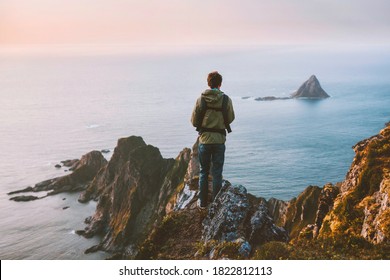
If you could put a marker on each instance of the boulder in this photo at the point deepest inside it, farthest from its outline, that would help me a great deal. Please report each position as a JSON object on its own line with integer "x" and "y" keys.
{"x": 236, "y": 217}
{"x": 226, "y": 216}
{"x": 263, "y": 228}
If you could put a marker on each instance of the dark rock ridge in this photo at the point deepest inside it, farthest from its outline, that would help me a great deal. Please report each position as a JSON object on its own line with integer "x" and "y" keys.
{"x": 132, "y": 192}
{"x": 138, "y": 188}
{"x": 144, "y": 200}
{"x": 84, "y": 170}
{"x": 310, "y": 89}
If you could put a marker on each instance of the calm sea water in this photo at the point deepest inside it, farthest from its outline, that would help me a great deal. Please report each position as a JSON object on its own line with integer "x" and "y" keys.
{"x": 57, "y": 107}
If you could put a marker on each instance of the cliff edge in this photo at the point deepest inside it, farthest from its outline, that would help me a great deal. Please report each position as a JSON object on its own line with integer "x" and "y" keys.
{"x": 147, "y": 209}
{"x": 132, "y": 191}
{"x": 363, "y": 206}
{"x": 240, "y": 225}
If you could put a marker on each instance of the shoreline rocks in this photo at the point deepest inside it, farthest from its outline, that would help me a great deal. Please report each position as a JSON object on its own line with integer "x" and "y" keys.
{"x": 84, "y": 170}
{"x": 24, "y": 198}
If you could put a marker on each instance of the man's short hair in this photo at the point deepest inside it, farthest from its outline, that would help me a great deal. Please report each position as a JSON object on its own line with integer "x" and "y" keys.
{"x": 214, "y": 79}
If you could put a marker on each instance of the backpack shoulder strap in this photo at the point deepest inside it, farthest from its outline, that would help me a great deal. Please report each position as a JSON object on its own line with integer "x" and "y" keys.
{"x": 202, "y": 112}
{"x": 225, "y": 112}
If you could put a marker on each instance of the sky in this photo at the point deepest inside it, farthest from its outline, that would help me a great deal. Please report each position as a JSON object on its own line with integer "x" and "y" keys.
{"x": 194, "y": 22}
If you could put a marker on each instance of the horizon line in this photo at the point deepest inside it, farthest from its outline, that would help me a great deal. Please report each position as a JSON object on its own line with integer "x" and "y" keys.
{"x": 112, "y": 48}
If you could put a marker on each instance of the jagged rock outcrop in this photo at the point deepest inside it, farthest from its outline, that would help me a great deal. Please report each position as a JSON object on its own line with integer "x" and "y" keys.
{"x": 263, "y": 227}
{"x": 278, "y": 210}
{"x": 235, "y": 224}
{"x": 226, "y": 216}
{"x": 363, "y": 206}
{"x": 310, "y": 89}
{"x": 187, "y": 193}
{"x": 239, "y": 218}
{"x": 299, "y": 211}
{"x": 303, "y": 215}
{"x": 133, "y": 190}
{"x": 147, "y": 205}
{"x": 121, "y": 155}
{"x": 325, "y": 203}
{"x": 84, "y": 170}
{"x": 192, "y": 174}
{"x": 238, "y": 222}
{"x": 138, "y": 188}
{"x": 314, "y": 204}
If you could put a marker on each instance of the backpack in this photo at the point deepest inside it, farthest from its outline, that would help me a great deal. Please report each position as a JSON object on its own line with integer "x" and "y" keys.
{"x": 204, "y": 107}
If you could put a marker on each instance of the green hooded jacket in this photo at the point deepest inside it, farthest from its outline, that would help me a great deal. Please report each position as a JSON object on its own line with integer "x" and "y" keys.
{"x": 212, "y": 119}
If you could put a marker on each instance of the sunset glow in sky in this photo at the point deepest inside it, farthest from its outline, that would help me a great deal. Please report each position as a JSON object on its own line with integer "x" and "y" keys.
{"x": 194, "y": 22}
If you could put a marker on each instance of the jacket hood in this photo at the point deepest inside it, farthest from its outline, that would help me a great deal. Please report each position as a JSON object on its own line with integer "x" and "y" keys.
{"x": 212, "y": 95}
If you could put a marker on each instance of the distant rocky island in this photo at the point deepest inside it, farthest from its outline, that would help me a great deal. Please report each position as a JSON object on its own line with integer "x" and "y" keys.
{"x": 311, "y": 89}
{"x": 147, "y": 209}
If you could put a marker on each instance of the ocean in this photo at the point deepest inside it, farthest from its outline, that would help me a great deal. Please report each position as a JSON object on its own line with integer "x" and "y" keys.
{"x": 61, "y": 106}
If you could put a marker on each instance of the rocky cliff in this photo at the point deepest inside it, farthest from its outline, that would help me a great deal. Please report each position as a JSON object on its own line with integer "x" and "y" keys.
{"x": 147, "y": 209}
{"x": 237, "y": 224}
{"x": 138, "y": 188}
{"x": 359, "y": 207}
{"x": 132, "y": 192}
{"x": 363, "y": 206}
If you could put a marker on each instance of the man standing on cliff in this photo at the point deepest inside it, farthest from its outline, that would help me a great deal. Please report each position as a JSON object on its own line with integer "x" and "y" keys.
{"x": 212, "y": 115}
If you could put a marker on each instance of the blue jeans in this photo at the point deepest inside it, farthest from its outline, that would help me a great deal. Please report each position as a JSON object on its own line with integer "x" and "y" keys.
{"x": 215, "y": 154}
